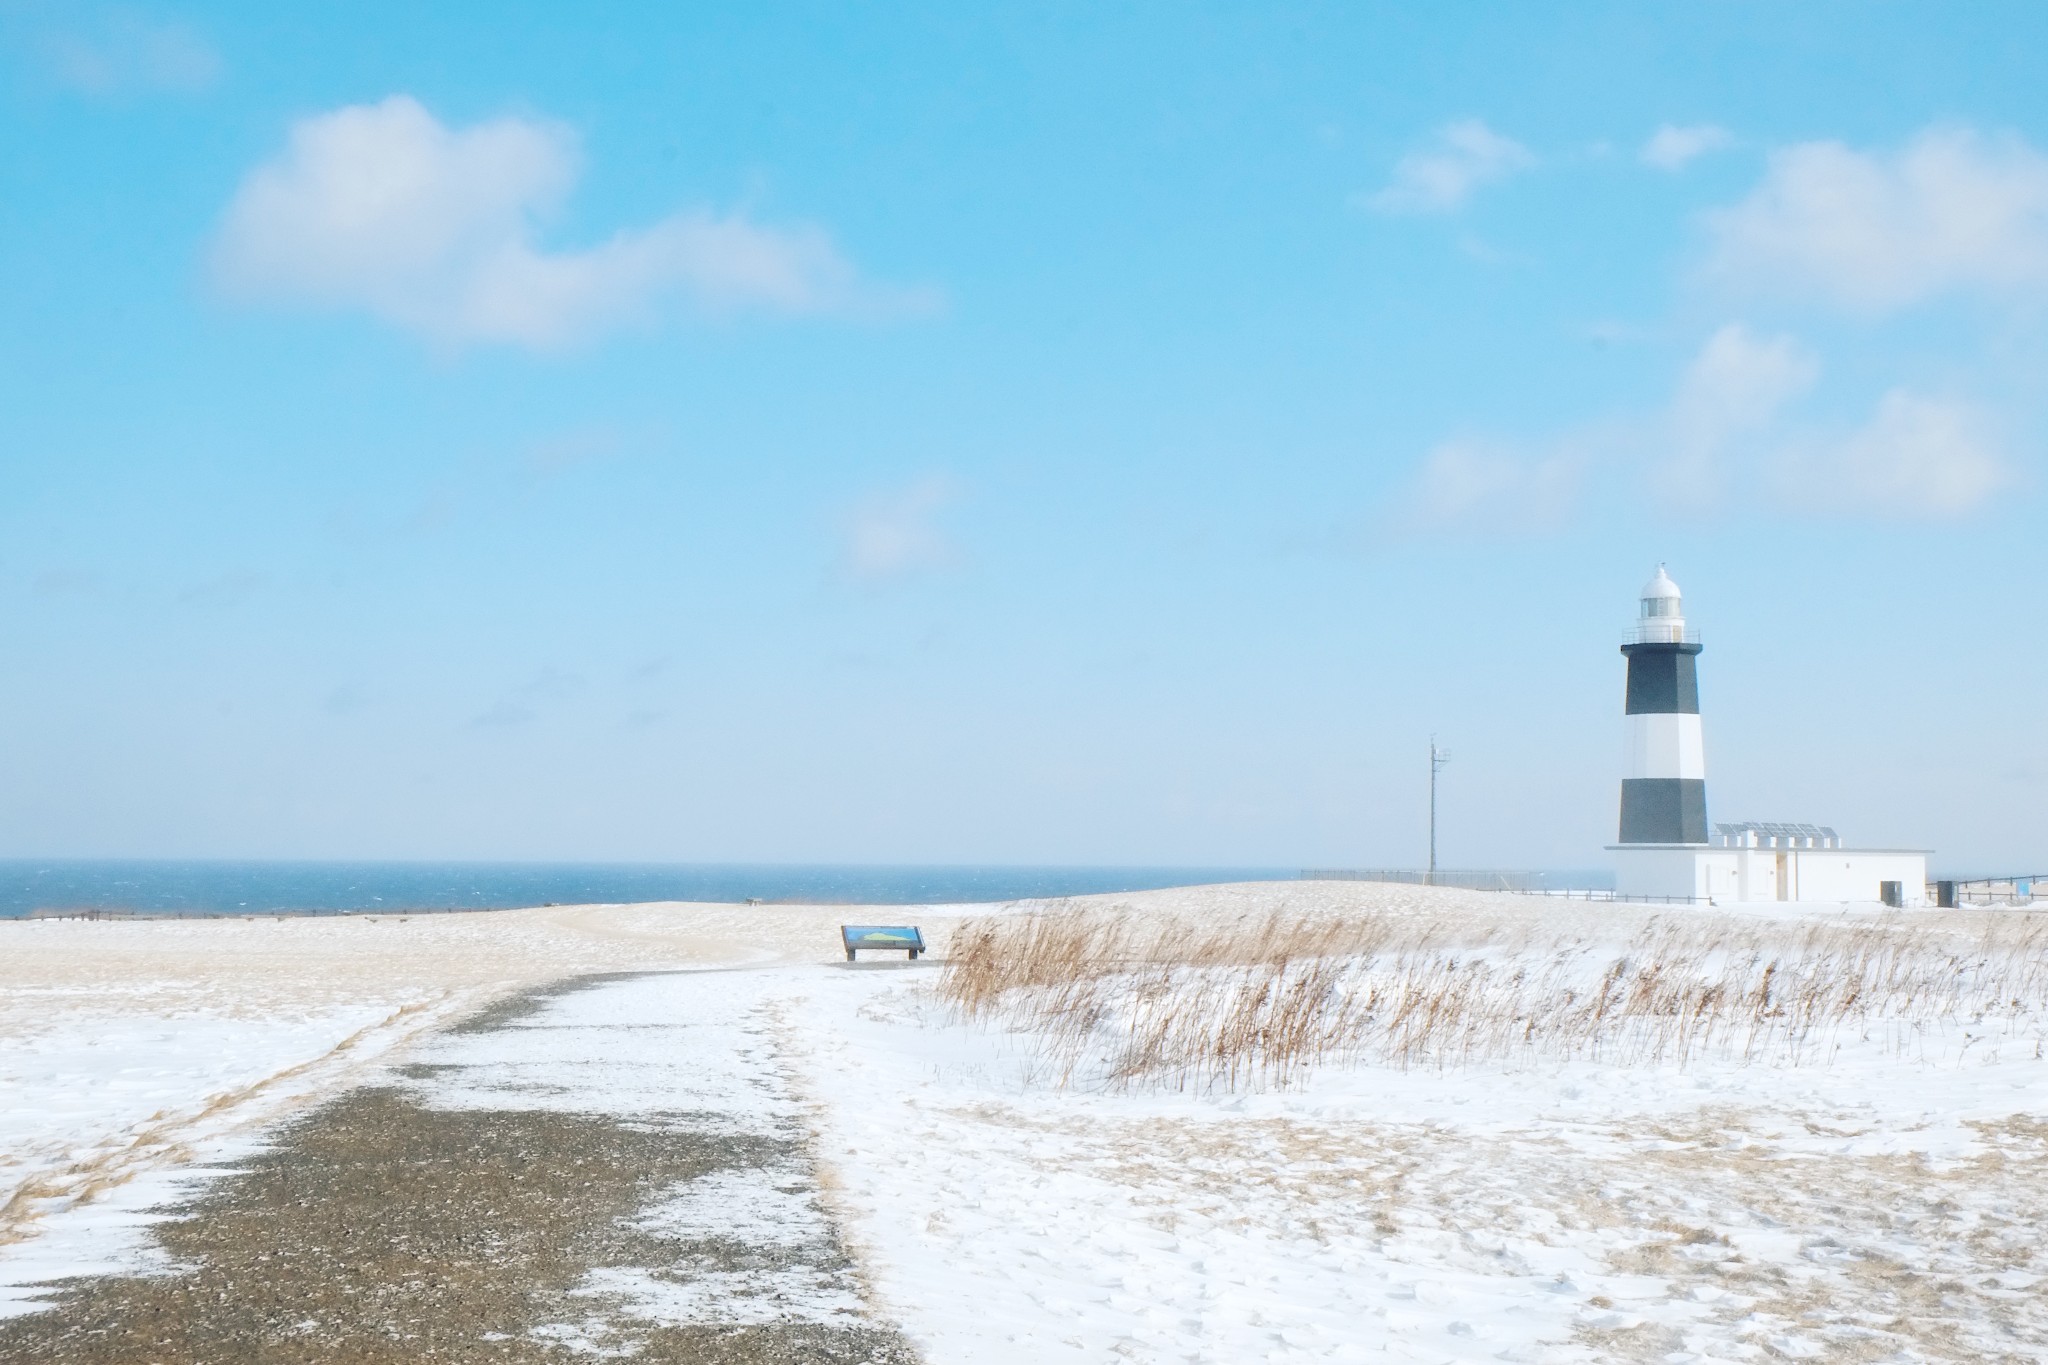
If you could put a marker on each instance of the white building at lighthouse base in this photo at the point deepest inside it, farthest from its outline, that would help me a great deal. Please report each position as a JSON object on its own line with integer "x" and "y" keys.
{"x": 1771, "y": 862}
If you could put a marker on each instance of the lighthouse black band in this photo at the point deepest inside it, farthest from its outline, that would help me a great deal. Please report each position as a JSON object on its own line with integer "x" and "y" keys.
{"x": 1663, "y": 810}
{"x": 1662, "y": 679}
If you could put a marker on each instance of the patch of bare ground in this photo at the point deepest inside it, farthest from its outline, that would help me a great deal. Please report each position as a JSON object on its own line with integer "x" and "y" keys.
{"x": 377, "y": 1231}
{"x": 1722, "y": 1245}
{"x": 1885, "y": 1256}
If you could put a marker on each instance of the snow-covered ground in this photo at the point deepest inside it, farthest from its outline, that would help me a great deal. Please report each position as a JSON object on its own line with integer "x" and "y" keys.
{"x": 1868, "y": 1203}
{"x": 104, "y": 1116}
{"x": 1558, "y": 1212}
{"x": 137, "y": 1056}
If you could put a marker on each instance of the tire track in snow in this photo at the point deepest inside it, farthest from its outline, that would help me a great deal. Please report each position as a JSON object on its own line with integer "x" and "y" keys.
{"x": 169, "y": 1138}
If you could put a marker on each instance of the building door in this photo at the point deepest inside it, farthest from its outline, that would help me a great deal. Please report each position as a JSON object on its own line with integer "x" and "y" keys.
{"x": 1784, "y": 879}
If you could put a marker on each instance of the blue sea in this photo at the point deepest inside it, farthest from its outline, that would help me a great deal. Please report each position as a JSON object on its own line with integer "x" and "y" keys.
{"x": 198, "y": 888}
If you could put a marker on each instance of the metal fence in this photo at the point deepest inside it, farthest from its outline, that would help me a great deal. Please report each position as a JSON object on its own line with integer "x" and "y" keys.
{"x": 1961, "y": 892}
{"x": 1965, "y": 891}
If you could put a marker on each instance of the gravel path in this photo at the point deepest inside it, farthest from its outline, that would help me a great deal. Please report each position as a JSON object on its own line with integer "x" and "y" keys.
{"x": 613, "y": 1167}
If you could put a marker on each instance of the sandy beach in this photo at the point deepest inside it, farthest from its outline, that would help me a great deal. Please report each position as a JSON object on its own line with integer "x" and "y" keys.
{"x": 694, "y": 1132}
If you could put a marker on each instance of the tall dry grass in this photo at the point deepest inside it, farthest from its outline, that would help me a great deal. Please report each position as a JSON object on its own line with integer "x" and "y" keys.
{"x": 1127, "y": 999}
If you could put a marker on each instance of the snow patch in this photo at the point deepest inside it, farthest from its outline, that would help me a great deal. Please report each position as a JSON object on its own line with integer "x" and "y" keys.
{"x": 764, "y": 1206}
{"x": 672, "y": 1047}
{"x": 696, "y": 1291}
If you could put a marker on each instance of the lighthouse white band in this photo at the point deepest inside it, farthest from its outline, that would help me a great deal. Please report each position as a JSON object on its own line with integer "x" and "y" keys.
{"x": 1664, "y": 744}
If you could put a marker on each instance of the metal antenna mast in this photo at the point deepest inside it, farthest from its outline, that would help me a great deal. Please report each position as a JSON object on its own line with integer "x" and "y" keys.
{"x": 1437, "y": 759}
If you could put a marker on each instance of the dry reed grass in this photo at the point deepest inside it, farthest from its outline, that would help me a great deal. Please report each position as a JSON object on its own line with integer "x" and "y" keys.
{"x": 1126, "y": 999}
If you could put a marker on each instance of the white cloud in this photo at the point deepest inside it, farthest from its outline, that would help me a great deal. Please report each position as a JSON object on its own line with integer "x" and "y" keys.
{"x": 1730, "y": 437}
{"x": 896, "y": 535}
{"x": 122, "y": 51}
{"x": 384, "y": 208}
{"x": 1740, "y": 380}
{"x": 1492, "y": 486}
{"x": 1726, "y": 434}
{"x": 1951, "y": 210}
{"x": 1916, "y": 457}
{"x": 1720, "y": 415}
{"x": 1672, "y": 146}
{"x": 1731, "y": 393}
{"x": 1461, "y": 158}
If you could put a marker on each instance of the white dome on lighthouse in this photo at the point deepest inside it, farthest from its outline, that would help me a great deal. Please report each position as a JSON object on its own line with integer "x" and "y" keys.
{"x": 1662, "y": 618}
{"x": 1659, "y": 587}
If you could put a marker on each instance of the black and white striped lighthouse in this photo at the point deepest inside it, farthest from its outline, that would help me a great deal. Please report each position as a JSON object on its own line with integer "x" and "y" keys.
{"x": 1664, "y": 774}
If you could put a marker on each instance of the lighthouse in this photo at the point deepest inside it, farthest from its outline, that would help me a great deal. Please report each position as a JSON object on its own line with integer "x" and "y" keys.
{"x": 1665, "y": 852}
{"x": 1664, "y": 772}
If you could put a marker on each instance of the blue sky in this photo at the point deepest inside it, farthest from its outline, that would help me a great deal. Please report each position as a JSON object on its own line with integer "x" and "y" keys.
{"x": 1056, "y": 433}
